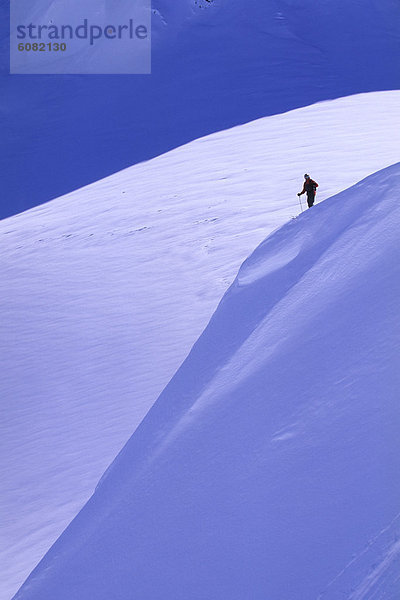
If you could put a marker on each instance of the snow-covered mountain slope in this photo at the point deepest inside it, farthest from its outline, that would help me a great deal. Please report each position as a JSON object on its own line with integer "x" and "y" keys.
{"x": 215, "y": 65}
{"x": 268, "y": 468}
{"x": 104, "y": 292}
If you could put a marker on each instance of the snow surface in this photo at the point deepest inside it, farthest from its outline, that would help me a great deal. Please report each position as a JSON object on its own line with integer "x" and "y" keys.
{"x": 215, "y": 65}
{"x": 268, "y": 468}
{"x": 105, "y": 291}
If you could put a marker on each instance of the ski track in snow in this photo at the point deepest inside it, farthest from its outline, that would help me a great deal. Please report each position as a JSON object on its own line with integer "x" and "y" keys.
{"x": 388, "y": 559}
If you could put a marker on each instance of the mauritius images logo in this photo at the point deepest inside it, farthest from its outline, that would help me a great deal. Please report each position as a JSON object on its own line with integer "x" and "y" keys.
{"x": 80, "y": 37}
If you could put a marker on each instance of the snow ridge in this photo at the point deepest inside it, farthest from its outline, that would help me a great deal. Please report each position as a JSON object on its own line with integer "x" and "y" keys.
{"x": 115, "y": 282}
{"x": 269, "y": 462}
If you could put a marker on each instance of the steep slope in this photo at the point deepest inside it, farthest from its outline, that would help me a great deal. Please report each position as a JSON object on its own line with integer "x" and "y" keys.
{"x": 268, "y": 468}
{"x": 104, "y": 292}
{"x": 215, "y": 65}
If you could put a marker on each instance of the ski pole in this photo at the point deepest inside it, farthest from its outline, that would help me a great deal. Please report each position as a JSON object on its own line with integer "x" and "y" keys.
{"x": 301, "y": 206}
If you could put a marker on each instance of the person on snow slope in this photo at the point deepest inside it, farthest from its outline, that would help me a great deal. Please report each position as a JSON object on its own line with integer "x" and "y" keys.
{"x": 309, "y": 188}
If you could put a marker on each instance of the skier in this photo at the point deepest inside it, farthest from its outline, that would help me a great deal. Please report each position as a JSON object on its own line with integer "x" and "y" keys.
{"x": 309, "y": 187}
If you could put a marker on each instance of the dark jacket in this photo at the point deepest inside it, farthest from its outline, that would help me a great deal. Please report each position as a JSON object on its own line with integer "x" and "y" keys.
{"x": 310, "y": 186}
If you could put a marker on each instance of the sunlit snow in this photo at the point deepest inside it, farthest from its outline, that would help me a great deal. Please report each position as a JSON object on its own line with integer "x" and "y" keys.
{"x": 104, "y": 292}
